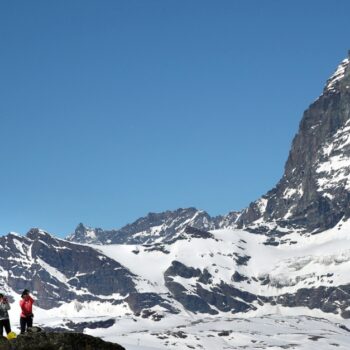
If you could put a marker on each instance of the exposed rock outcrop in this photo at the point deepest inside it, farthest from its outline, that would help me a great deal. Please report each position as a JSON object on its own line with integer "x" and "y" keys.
{"x": 57, "y": 341}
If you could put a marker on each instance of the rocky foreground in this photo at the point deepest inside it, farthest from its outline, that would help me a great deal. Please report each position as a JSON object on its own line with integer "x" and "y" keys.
{"x": 57, "y": 341}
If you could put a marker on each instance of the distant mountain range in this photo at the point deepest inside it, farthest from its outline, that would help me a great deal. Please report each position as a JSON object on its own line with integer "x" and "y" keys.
{"x": 155, "y": 227}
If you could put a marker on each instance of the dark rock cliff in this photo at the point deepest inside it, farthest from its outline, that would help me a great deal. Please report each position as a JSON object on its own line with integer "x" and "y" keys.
{"x": 314, "y": 193}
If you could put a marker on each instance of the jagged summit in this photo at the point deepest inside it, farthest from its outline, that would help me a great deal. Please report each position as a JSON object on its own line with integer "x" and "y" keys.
{"x": 37, "y": 233}
{"x": 334, "y": 82}
{"x": 84, "y": 234}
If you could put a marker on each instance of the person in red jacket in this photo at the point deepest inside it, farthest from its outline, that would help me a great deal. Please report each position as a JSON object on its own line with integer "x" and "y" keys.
{"x": 26, "y": 304}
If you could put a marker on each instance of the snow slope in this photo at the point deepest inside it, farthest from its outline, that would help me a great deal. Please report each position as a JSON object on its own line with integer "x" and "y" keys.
{"x": 298, "y": 261}
{"x": 293, "y": 263}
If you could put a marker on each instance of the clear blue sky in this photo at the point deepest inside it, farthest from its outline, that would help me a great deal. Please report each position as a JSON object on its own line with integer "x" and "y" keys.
{"x": 113, "y": 109}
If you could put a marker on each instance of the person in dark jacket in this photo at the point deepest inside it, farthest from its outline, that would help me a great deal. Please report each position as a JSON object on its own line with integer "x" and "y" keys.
{"x": 4, "y": 315}
{"x": 26, "y": 304}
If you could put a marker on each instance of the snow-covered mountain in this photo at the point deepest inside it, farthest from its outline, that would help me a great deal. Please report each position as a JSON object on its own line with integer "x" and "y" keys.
{"x": 200, "y": 285}
{"x": 222, "y": 271}
{"x": 288, "y": 253}
{"x": 59, "y": 271}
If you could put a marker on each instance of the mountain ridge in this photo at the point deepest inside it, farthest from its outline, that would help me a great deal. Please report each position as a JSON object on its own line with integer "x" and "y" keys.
{"x": 154, "y": 227}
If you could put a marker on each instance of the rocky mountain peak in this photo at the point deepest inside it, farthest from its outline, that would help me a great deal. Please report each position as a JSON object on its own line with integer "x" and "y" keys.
{"x": 313, "y": 194}
{"x": 37, "y": 233}
{"x": 339, "y": 77}
{"x": 84, "y": 234}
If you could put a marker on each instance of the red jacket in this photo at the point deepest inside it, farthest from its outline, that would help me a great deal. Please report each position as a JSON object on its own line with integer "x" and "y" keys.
{"x": 26, "y": 304}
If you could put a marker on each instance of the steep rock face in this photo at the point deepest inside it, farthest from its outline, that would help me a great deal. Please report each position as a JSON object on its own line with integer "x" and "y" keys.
{"x": 155, "y": 227}
{"x": 327, "y": 299}
{"x": 204, "y": 296}
{"x": 314, "y": 192}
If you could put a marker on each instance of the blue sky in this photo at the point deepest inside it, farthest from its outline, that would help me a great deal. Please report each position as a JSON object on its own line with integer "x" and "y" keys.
{"x": 113, "y": 109}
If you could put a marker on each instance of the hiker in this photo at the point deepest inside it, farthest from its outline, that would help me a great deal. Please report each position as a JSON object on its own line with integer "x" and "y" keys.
{"x": 26, "y": 304}
{"x": 4, "y": 315}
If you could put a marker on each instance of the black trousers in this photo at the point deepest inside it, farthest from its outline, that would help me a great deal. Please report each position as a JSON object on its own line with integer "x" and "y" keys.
{"x": 26, "y": 322}
{"x": 5, "y": 324}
